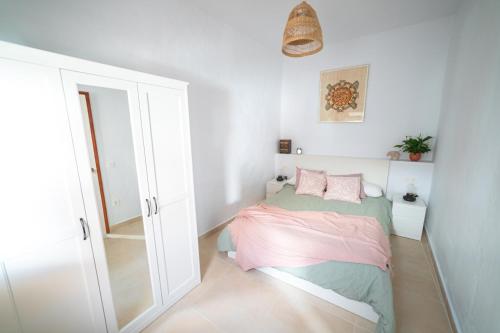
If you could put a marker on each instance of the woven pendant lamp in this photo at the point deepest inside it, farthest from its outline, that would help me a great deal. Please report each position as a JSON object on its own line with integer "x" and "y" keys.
{"x": 303, "y": 35}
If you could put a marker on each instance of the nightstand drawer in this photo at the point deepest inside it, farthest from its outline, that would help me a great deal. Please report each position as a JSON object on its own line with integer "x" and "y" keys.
{"x": 274, "y": 186}
{"x": 408, "y": 211}
{"x": 407, "y": 227}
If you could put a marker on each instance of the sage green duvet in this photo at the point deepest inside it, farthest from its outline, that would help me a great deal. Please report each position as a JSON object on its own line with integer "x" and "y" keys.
{"x": 365, "y": 283}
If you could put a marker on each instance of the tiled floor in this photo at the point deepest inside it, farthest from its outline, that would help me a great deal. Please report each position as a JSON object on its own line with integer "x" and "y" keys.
{"x": 129, "y": 277}
{"x": 131, "y": 227}
{"x": 230, "y": 300}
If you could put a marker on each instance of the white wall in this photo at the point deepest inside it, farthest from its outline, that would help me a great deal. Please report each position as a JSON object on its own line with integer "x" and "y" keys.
{"x": 113, "y": 132}
{"x": 234, "y": 81}
{"x": 408, "y": 176}
{"x": 463, "y": 217}
{"x": 405, "y": 81}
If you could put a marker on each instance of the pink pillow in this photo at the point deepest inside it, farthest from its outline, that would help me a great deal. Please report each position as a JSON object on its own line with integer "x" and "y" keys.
{"x": 362, "y": 193}
{"x": 343, "y": 188}
{"x": 312, "y": 183}
{"x": 299, "y": 170}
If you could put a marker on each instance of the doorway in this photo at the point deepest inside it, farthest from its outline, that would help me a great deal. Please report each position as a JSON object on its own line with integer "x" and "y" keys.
{"x": 94, "y": 158}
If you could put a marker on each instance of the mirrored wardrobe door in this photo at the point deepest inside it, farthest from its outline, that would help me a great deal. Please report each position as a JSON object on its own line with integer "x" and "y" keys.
{"x": 106, "y": 126}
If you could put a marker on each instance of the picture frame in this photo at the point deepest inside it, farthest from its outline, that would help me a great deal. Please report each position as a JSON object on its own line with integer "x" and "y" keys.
{"x": 343, "y": 93}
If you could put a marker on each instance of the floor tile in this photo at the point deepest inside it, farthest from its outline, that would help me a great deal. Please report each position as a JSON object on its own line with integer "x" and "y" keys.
{"x": 231, "y": 300}
{"x": 294, "y": 317}
{"x": 185, "y": 321}
{"x": 238, "y": 302}
{"x": 423, "y": 285}
{"x": 133, "y": 226}
{"x": 365, "y": 324}
{"x": 419, "y": 314}
{"x": 129, "y": 277}
{"x": 358, "y": 329}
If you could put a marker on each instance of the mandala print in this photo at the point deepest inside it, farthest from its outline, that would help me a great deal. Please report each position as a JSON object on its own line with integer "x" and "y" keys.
{"x": 342, "y": 95}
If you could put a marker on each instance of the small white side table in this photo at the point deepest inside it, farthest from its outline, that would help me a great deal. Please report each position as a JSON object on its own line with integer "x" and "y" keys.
{"x": 273, "y": 186}
{"x": 408, "y": 217}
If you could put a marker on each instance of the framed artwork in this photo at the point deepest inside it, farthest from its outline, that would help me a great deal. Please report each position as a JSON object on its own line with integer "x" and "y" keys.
{"x": 343, "y": 94}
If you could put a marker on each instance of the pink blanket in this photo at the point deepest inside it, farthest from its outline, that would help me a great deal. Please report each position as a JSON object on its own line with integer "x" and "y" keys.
{"x": 271, "y": 236}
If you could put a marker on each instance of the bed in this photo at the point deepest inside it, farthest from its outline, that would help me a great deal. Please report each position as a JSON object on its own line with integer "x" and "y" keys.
{"x": 365, "y": 290}
{"x": 362, "y": 283}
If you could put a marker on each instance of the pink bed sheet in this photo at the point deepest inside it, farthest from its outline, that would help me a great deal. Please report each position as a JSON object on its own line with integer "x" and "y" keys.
{"x": 271, "y": 236}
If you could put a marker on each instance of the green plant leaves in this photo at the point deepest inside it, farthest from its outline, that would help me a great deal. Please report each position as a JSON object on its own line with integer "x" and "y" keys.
{"x": 415, "y": 145}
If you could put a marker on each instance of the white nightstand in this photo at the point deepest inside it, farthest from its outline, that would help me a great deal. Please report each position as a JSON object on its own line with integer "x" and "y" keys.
{"x": 273, "y": 186}
{"x": 408, "y": 217}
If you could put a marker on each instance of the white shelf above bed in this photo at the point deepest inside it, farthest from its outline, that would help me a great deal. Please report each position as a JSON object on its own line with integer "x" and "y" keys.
{"x": 375, "y": 171}
{"x": 392, "y": 176}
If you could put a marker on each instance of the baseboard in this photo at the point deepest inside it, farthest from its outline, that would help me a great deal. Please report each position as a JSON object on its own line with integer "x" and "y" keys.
{"x": 128, "y": 220}
{"x": 449, "y": 306}
{"x": 133, "y": 237}
{"x": 216, "y": 228}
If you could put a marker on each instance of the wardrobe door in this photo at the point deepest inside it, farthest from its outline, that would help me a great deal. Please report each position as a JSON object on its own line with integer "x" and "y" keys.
{"x": 126, "y": 256}
{"x": 168, "y": 151}
{"x": 9, "y": 322}
{"x": 48, "y": 266}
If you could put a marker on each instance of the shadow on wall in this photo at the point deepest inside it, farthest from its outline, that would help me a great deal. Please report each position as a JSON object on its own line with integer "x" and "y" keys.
{"x": 210, "y": 115}
{"x": 227, "y": 157}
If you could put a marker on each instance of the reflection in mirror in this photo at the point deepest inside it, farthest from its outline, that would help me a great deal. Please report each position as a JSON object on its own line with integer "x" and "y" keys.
{"x": 109, "y": 138}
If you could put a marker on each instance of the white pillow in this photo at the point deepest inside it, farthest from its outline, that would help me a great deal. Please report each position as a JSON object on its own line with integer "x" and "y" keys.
{"x": 372, "y": 190}
{"x": 292, "y": 181}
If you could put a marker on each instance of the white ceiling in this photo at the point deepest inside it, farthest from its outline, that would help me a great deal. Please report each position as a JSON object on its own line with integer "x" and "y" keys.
{"x": 264, "y": 20}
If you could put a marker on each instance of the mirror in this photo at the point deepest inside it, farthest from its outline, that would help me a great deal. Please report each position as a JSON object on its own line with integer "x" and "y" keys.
{"x": 108, "y": 130}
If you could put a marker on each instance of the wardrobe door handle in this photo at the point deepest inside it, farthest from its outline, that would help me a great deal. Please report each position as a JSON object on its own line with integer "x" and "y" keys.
{"x": 149, "y": 207}
{"x": 82, "y": 222}
{"x": 156, "y": 205}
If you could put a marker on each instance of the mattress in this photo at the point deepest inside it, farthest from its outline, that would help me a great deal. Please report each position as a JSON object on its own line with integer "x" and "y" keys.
{"x": 360, "y": 282}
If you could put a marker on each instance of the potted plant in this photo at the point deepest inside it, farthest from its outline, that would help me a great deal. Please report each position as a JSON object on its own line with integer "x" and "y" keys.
{"x": 415, "y": 146}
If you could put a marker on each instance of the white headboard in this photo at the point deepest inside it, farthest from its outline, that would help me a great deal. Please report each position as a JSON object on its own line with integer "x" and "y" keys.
{"x": 374, "y": 170}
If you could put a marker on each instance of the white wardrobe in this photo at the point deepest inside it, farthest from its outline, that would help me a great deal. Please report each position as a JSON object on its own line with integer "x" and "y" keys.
{"x": 55, "y": 266}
